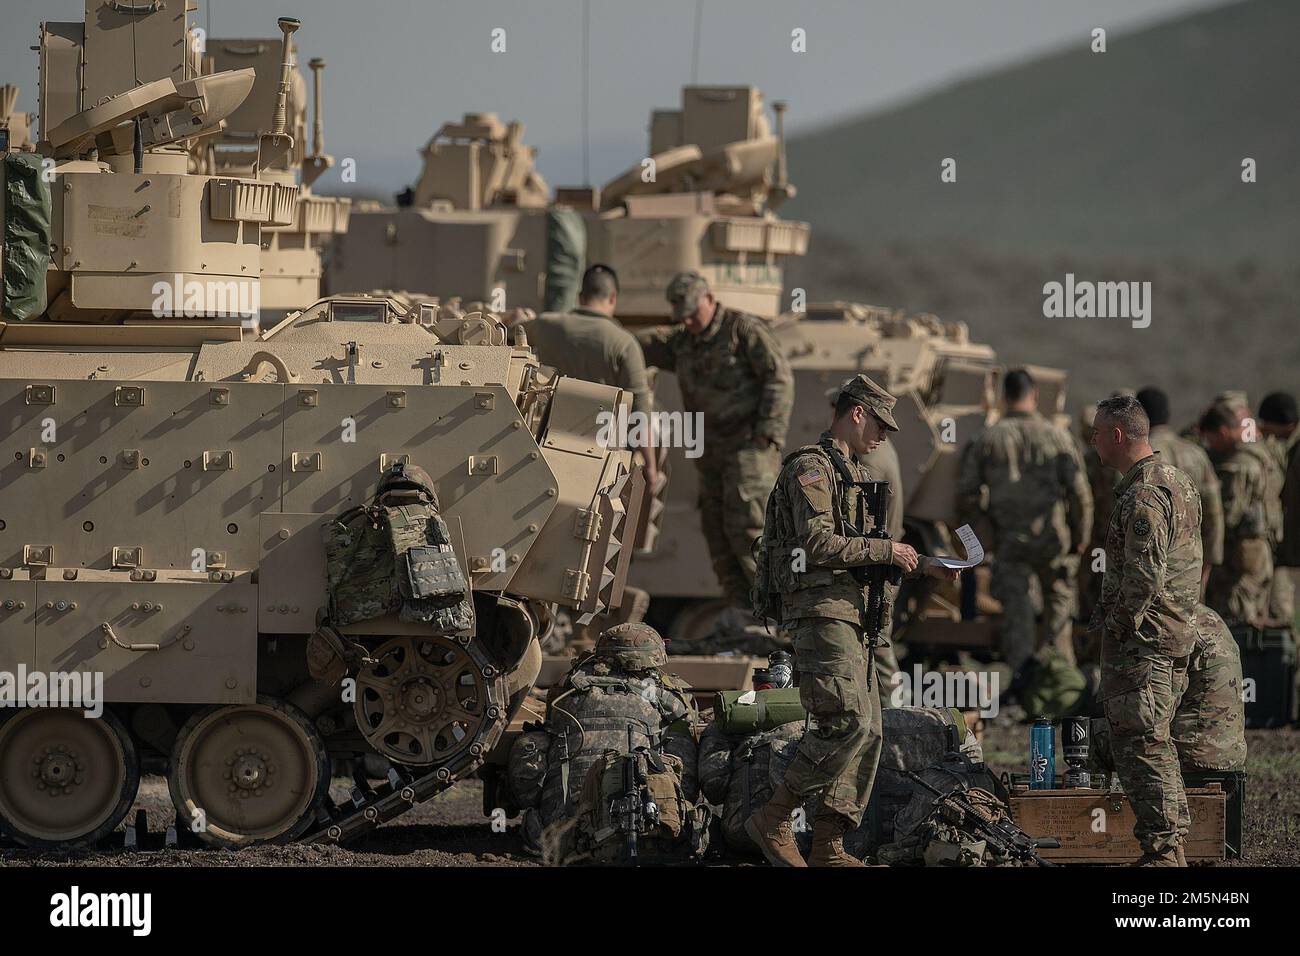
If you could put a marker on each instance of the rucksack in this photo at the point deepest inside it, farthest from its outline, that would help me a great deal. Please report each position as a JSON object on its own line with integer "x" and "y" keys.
{"x": 589, "y": 713}
{"x": 633, "y": 809}
{"x": 774, "y": 573}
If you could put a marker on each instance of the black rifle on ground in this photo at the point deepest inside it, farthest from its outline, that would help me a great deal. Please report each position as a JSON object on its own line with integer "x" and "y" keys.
{"x": 1003, "y": 835}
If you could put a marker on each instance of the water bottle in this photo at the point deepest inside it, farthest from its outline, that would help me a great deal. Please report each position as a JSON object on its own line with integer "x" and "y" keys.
{"x": 1074, "y": 746}
{"x": 1042, "y": 755}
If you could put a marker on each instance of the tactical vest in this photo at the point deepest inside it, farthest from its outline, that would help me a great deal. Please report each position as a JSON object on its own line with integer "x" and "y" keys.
{"x": 775, "y": 576}
{"x": 382, "y": 558}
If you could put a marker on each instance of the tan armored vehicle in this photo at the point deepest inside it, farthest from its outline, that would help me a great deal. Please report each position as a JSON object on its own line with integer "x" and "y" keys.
{"x": 15, "y": 126}
{"x": 177, "y": 475}
{"x": 291, "y": 252}
{"x": 704, "y": 198}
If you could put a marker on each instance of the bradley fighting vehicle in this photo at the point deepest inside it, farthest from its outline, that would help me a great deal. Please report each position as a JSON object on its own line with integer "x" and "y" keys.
{"x": 705, "y": 198}
{"x": 171, "y": 464}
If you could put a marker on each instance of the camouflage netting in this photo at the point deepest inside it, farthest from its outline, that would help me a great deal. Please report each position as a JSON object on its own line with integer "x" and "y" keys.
{"x": 27, "y": 238}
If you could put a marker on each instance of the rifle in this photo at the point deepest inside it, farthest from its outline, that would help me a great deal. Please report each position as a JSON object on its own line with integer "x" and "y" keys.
{"x": 1003, "y": 835}
{"x": 875, "y": 496}
{"x": 630, "y": 804}
{"x": 635, "y": 809}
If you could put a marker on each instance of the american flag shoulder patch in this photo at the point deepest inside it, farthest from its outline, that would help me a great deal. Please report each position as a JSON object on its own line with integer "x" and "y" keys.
{"x": 811, "y": 477}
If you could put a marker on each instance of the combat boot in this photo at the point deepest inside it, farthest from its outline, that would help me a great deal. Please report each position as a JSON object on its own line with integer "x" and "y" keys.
{"x": 769, "y": 827}
{"x": 1166, "y": 857}
{"x": 828, "y": 842}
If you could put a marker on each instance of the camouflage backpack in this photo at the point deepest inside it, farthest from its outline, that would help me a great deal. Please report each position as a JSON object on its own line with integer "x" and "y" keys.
{"x": 589, "y": 713}
{"x": 740, "y": 774}
{"x": 774, "y": 572}
{"x": 395, "y": 554}
{"x": 633, "y": 810}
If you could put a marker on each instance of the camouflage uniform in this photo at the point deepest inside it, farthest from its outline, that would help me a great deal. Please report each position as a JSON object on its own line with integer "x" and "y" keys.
{"x": 1209, "y": 728}
{"x": 1101, "y": 482}
{"x": 1239, "y": 587}
{"x": 1041, "y": 510}
{"x": 591, "y": 346}
{"x": 822, "y": 609}
{"x": 1281, "y": 601}
{"x": 735, "y": 375}
{"x": 1191, "y": 459}
{"x": 883, "y": 465}
{"x": 1147, "y": 616}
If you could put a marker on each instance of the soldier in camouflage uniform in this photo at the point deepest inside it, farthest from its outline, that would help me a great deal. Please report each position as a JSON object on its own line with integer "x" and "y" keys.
{"x": 732, "y": 372}
{"x": 1041, "y": 509}
{"x": 1101, "y": 483}
{"x": 811, "y": 551}
{"x": 1147, "y": 619}
{"x": 1209, "y": 726}
{"x": 618, "y": 685}
{"x": 1239, "y": 587}
{"x": 1278, "y": 418}
{"x": 1191, "y": 459}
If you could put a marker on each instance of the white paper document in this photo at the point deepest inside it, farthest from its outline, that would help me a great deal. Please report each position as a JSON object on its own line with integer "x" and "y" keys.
{"x": 974, "y": 550}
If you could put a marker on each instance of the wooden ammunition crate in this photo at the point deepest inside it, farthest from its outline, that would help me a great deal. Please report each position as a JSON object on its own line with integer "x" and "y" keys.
{"x": 1087, "y": 837}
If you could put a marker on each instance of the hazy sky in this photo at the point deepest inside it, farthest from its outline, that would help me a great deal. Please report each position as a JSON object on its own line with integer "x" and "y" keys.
{"x": 397, "y": 69}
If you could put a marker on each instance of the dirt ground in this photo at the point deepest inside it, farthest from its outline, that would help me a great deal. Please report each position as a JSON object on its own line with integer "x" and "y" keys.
{"x": 450, "y": 829}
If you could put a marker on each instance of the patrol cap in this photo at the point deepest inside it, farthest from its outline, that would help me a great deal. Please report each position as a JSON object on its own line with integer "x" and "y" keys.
{"x": 634, "y": 647}
{"x": 684, "y": 293}
{"x": 871, "y": 397}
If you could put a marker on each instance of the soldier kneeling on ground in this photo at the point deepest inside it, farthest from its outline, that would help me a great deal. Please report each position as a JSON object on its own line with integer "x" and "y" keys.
{"x": 614, "y": 701}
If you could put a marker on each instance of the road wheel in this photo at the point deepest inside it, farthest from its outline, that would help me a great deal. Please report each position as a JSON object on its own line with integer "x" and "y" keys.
{"x": 66, "y": 780}
{"x": 243, "y": 774}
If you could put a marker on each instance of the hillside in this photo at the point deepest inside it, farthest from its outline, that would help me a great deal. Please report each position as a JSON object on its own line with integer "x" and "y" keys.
{"x": 1135, "y": 151}
{"x": 1122, "y": 166}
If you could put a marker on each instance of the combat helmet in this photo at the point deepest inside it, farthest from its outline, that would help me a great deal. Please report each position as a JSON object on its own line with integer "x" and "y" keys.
{"x": 633, "y": 647}
{"x": 403, "y": 481}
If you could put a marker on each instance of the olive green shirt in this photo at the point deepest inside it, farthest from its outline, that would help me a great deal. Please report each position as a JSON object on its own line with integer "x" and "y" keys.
{"x": 588, "y": 345}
